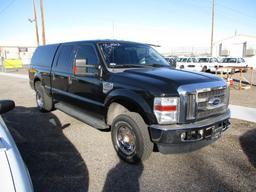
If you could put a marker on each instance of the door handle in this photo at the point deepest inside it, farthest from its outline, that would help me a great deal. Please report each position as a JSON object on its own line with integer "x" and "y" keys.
{"x": 69, "y": 79}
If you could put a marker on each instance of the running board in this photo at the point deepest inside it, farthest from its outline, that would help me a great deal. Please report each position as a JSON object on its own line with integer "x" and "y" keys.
{"x": 82, "y": 115}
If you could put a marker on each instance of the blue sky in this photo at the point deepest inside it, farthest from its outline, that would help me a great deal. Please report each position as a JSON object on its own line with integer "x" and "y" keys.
{"x": 170, "y": 23}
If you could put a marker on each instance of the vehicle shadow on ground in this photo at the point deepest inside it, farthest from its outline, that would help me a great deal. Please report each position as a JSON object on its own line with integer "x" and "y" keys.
{"x": 248, "y": 144}
{"x": 53, "y": 162}
{"x": 123, "y": 177}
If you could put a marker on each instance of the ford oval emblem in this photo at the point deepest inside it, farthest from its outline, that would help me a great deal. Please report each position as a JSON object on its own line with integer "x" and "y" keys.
{"x": 214, "y": 101}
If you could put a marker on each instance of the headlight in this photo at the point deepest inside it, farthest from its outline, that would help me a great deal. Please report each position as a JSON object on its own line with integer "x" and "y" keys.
{"x": 166, "y": 109}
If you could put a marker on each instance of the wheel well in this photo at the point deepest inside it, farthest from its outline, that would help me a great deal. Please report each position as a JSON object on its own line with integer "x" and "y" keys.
{"x": 119, "y": 107}
{"x": 35, "y": 80}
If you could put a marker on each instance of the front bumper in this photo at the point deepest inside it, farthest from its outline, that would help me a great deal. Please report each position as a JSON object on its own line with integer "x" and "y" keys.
{"x": 172, "y": 136}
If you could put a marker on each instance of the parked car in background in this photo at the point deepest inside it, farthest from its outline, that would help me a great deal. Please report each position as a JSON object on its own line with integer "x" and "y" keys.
{"x": 13, "y": 172}
{"x": 188, "y": 63}
{"x": 172, "y": 61}
{"x": 231, "y": 62}
{"x": 208, "y": 63}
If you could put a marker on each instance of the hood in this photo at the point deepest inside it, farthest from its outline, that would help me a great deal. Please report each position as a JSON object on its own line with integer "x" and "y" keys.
{"x": 162, "y": 79}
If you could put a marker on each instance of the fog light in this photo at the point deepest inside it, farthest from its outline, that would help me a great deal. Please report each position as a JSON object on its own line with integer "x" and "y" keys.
{"x": 194, "y": 135}
{"x": 201, "y": 132}
{"x": 182, "y": 136}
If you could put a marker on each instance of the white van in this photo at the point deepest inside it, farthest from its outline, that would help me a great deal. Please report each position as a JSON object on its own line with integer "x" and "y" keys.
{"x": 188, "y": 63}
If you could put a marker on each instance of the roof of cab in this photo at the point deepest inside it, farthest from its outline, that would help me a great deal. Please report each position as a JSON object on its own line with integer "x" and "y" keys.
{"x": 102, "y": 41}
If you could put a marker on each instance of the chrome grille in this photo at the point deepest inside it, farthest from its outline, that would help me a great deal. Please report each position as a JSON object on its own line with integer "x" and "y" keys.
{"x": 191, "y": 102}
{"x": 204, "y": 106}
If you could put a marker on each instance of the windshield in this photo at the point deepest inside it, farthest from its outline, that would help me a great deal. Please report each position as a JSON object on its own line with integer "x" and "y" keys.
{"x": 131, "y": 55}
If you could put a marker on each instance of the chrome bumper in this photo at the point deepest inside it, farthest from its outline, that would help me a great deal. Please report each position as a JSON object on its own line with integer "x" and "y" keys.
{"x": 169, "y": 135}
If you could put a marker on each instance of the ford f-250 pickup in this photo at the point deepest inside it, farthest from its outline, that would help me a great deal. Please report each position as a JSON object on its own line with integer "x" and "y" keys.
{"x": 130, "y": 89}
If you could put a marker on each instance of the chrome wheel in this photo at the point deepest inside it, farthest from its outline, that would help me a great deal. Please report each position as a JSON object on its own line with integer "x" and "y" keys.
{"x": 39, "y": 100}
{"x": 126, "y": 140}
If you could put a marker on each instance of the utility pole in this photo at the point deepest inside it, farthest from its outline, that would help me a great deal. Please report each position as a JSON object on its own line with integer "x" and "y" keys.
{"x": 36, "y": 25}
{"x": 42, "y": 18}
{"x": 212, "y": 27}
{"x": 113, "y": 29}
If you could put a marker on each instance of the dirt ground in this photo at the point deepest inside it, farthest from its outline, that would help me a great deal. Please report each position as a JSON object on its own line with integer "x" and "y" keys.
{"x": 246, "y": 98}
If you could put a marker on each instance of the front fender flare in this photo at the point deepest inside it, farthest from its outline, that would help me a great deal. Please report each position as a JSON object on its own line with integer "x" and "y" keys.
{"x": 131, "y": 100}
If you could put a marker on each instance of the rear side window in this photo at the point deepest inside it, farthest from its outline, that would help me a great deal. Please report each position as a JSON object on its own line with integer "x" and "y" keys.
{"x": 44, "y": 55}
{"x": 66, "y": 59}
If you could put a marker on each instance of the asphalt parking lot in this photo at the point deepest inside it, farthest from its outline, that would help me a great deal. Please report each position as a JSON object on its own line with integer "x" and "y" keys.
{"x": 64, "y": 154}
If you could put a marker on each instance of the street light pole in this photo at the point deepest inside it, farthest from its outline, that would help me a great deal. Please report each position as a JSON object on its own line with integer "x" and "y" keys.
{"x": 36, "y": 26}
{"x": 42, "y": 18}
{"x": 212, "y": 27}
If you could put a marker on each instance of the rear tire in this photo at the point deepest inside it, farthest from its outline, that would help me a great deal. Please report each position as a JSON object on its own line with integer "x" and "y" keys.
{"x": 130, "y": 137}
{"x": 43, "y": 100}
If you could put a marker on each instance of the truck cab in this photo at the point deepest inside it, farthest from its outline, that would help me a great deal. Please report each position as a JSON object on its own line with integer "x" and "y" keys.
{"x": 131, "y": 90}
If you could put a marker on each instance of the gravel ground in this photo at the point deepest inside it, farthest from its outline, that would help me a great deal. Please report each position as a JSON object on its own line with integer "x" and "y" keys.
{"x": 247, "y": 76}
{"x": 244, "y": 98}
{"x": 64, "y": 154}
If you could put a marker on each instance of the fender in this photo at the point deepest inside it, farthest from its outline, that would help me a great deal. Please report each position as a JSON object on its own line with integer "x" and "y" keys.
{"x": 131, "y": 100}
{"x": 38, "y": 76}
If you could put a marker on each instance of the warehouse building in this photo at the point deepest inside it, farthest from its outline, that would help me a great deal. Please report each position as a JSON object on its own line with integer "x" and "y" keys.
{"x": 237, "y": 46}
{"x": 23, "y": 54}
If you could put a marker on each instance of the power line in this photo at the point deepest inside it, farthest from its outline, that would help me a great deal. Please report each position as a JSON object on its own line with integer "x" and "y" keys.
{"x": 235, "y": 11}
{"x": 6, "y": 7}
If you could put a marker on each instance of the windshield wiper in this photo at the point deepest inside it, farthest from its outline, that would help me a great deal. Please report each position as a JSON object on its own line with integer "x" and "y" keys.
{"x": 156, "y": 65}
{"x": 138, "y": 65}
{"x": 126, "y": 65}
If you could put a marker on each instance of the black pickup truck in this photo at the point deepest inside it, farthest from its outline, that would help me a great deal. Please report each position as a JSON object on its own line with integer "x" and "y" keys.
{"x": 130, "y": 89}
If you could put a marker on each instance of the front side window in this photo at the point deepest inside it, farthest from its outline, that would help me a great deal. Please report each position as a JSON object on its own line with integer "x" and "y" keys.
{"x": 203, "y": 60}
{"x": 130, "y": 55}
{"x": 88, "y": 54}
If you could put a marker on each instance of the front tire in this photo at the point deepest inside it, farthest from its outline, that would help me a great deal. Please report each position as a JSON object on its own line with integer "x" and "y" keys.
{"x": 43, "y": 100}
{"x": 130, "y": 137}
